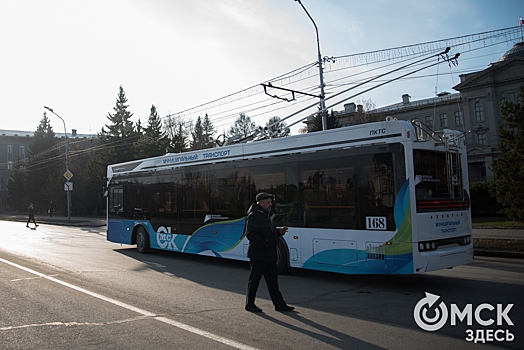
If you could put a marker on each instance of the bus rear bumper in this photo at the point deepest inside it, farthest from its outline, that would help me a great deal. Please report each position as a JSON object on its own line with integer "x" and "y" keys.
{"x": 442, "y": 259}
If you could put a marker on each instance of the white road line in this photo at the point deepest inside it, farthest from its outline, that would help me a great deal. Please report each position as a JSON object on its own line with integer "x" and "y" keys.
{"x": 165, "y": 320}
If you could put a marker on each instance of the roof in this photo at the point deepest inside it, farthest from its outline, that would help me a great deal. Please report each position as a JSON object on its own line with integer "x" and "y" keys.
{"x": 516, "y": 51}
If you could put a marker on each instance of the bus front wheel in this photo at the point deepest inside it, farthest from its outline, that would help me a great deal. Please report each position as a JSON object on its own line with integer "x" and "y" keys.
{"x": 142, "y": 240}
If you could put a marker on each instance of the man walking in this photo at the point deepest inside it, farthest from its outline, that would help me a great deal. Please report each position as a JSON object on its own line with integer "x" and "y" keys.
{"x": 50, "y": 208}
{"x": 262, "y": 252}
{"x": 31, "y": 211}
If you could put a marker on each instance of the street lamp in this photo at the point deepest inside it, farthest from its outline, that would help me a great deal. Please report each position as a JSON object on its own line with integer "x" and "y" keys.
{"x": 67, "y": 163}
{"x": 320, "y": 70}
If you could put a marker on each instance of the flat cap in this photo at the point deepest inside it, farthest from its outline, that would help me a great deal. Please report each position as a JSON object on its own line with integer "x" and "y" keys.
{"x": 263, "y": 195}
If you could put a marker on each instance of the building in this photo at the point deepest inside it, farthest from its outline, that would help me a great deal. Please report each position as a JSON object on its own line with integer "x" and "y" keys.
{"x": 475, "y": 109}
{"x": 14, "y": 145}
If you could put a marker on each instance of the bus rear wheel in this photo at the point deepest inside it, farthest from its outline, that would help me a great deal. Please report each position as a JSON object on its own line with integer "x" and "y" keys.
{"x": 142, "y": 240}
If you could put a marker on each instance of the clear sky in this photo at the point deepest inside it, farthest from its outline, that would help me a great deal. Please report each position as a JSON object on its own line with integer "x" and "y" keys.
{"x": 177, "y": 54}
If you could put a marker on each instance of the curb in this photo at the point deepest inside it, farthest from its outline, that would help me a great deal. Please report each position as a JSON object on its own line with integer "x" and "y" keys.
{"x": 499, "y": 254}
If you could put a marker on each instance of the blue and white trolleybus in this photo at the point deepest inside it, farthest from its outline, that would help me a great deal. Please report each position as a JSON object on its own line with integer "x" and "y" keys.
{"x": 375, "y": 198}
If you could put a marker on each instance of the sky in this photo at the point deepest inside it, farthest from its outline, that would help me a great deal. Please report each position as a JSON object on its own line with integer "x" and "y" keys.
{"x": 73, "y": 56}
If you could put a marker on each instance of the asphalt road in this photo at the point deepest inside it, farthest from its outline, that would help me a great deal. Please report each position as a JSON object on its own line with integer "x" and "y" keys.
{"x": 65, "y": 287}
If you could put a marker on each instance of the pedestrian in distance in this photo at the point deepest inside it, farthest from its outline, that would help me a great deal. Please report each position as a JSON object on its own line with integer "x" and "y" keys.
{"x": 263, "y": 239}
{"x": 50, "y": 208}
{"x": 31, "y": 211}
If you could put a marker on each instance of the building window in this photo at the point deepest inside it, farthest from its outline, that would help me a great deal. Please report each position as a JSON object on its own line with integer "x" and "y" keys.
{"x": 9, "y": 165}
{"x": 458, "y": 118}
{"x": 502, "y": 101}
{"x": 443, "y": 120}
{"x": 519, "y": 100}
{"x": 482, "y": 138}
{"x": 479, "y": 111}
{"x": 429, "y": 121}
{"x": 21, "y": 152}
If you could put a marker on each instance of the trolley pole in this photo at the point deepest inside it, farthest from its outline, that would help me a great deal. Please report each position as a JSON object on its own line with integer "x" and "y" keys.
{"x": 320, "y": 72}
{"x": 66, "y": 163}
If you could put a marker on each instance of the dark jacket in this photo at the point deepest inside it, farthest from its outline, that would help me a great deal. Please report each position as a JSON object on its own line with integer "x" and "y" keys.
{"x": 262, "y": 234}
{"x": 31, "y": 211}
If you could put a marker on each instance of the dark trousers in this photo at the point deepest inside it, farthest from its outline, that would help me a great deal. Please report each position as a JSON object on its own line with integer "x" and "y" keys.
{"x": 31, "y": 217}
{"x": 268, "y": 269}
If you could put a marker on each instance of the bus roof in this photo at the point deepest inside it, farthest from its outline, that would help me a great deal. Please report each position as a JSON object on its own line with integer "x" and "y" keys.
{"x": 352, "y": 136}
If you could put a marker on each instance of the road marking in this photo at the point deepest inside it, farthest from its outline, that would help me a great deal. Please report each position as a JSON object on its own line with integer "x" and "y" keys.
{"x": 165, "y": 320}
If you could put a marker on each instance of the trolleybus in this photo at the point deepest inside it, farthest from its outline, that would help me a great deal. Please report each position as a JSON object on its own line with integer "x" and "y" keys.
{"x": 376, "y": 198}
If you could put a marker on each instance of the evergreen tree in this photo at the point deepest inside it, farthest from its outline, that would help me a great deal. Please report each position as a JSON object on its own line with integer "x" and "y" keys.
{"x": 509, "y": 166}
{"x": 276, "y": 128}
{"x": 197, "y": 134}
{"x": 120, "y": 134}
{"x": 208, "y": 132}
{"x": 154, "y": 141}
{"x": 332, "y": 122}
{"x": 44, "y": 161}
{"x": 16, "y": 194}
{"x": 243, "y": 127}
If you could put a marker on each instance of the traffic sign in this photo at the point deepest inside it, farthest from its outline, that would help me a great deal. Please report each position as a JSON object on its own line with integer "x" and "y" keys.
{"x": 68, "y": 175}
{"x": 68, "y": 186}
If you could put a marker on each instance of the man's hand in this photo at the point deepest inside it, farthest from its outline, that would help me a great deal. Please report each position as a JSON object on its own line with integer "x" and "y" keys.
{"x": 283, "y": 230}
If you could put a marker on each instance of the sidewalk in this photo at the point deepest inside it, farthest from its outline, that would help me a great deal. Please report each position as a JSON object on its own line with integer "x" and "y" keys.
{"x": 77, "y": 221}
{"x": 99, "y": 221}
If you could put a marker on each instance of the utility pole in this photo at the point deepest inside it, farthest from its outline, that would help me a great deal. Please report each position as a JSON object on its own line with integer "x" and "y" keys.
{"x": 67, "y": 174}
{"x": 320, "y": 71}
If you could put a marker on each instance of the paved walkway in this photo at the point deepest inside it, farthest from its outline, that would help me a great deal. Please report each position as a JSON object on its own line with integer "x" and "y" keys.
{"x": 79, "y": 221}
{"x": 100, "y": 221}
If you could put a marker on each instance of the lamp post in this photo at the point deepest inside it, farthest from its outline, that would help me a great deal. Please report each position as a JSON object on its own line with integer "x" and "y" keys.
{"x": 321, "y": 73}
{"x": 66, "y": 162}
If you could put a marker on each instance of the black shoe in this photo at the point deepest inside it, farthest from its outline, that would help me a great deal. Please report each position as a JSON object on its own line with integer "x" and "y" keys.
{"x": 253, "y": 308}
{"x": 284, "y": 308}
{"x": 26, "y": 225}
{"x": 36, "y": 226}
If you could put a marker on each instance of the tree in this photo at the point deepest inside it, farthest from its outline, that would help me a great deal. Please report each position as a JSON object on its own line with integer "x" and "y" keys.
{"x": 16, "y": 194}
{"x": 177, "y": 133}
{"x": 276, "y": 128}
{"x": 197, "y": 134}
{"x": 208, "y": 132}
{"x": 120, "y": 134}
{"x": 202, "y": 134}
{"x": 243, "y": 127}
{"x": 332, "y": 122}
{"x": 364, "y": 112}
{"x": 44, "y": 161}
{"x": 153, "y": 141}
{"x": 509, "y": 166}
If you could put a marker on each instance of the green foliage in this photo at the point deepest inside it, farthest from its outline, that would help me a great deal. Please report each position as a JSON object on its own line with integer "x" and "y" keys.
{"x": 243, "y": 127}
{"x": 153, "y": 141}
{"x": 202, "y": 134}
{"x": 16, "y": 194}
{"x": 509, "y": 166}
{"x": 120, "y": 135}
{"x": 276, "y": 128}
{"x": 483, "y": 203}
{"x": 177, "y": 133}
{"x": 332, "y": 122}
{"x": 44, "y": 161}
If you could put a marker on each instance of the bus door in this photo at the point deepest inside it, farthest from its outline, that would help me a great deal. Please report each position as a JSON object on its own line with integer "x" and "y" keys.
{"x": 115, "y": 207}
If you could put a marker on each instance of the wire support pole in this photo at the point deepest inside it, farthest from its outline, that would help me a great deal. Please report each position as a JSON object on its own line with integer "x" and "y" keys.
{"x": 320, "y": 72}
{"x": 66, "y": 161}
